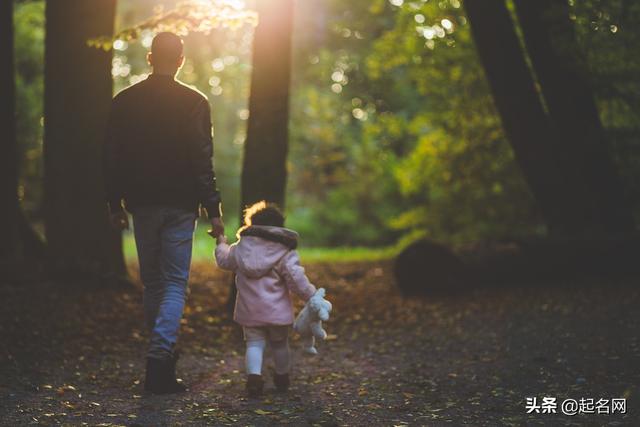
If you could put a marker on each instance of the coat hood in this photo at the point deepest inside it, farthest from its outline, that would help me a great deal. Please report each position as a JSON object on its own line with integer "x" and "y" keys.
{"x": 261, "y": 247}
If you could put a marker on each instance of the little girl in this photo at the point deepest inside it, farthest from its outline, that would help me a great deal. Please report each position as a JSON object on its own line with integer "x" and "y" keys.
{"x": 267, "y": 269}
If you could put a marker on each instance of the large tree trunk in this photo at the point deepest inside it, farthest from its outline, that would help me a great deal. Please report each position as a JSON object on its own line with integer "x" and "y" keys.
{"x": 78, "y": 91}
{"x": 551, "y": 43}
{"x": 18, "y": 244}
{"x": 264, "y": 171}
{"x": 537, "y": 147}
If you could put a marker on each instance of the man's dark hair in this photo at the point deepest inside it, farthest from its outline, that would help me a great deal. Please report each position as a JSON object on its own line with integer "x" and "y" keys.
{"x": 166, "y": 47}
{"x": 264, "y": 213}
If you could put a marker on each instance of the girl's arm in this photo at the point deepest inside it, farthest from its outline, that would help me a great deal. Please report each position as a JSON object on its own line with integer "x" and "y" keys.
{"x": 225, "y": 255}
{"x": 294, "y": 276}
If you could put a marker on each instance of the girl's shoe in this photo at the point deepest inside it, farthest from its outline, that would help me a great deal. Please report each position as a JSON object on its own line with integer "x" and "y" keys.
{"x": 281, "y": 381}
{"x": 255, "y": 384}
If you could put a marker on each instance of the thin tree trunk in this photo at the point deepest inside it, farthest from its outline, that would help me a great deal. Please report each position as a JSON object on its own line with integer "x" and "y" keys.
{"x": 18, "y": 245}
{"x": 535, "y": 144}
{"x": 78, "y": 91}
{"x": 551, "y": 42}
{"x": 265, "y": 153}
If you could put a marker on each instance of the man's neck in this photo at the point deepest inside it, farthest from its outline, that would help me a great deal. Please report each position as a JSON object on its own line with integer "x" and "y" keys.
{"x": 164, "y": 73}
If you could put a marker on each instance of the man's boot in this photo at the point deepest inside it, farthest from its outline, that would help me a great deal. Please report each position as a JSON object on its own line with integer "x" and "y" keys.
{"x": 174, "y": 359}
{"x": 160, "y": 377}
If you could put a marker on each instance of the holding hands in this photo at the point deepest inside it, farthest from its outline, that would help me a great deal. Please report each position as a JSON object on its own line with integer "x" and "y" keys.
{"x": 217, "y": 230}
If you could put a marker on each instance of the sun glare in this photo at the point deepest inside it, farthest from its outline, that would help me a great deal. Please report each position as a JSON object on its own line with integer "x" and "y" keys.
{"x": 188, "y": 16}
{"x": 206, "y": 15}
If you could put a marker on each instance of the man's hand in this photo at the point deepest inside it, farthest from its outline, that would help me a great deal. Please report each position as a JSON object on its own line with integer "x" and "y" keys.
{"x": 119, "y": 220}
{"x": 217, "y": 227}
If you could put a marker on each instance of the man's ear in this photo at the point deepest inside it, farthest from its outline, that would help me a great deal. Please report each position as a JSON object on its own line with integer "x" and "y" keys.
{"x": 150, "y": 58}
{"x": 180, "y": 61}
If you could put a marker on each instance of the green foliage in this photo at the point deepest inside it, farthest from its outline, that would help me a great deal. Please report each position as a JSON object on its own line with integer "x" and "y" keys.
{"x": 461, "y": 170}
{"x": 415, "y": 144}
{"x": 342, "y": 189}
{"x": 29, "y": 48}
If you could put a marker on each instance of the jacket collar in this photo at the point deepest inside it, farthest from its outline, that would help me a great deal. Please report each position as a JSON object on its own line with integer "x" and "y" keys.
{"x": 160, "y": 77}
{"x": 284, "y": 236}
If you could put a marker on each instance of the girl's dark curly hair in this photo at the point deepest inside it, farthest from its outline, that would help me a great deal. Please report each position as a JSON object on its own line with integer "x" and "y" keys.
{"x": 263, "y": 213}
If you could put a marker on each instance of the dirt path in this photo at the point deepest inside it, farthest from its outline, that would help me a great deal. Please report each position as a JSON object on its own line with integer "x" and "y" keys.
{"x": 75, "y": 357}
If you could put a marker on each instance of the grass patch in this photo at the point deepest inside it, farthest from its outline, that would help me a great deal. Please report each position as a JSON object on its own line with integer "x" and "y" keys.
{"x": 203, "y": 246}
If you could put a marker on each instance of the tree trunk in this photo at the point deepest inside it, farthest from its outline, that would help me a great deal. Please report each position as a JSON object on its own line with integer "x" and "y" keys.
{"x": 551, "y": 42}
{"x": 265, "y": 153}
{"x": 264, "y": 167}
{"x": 18, "y": 244}
{"x": 536, "y": 146}
{"x": 78, "y": 92}
{"x": 10, "y": 246}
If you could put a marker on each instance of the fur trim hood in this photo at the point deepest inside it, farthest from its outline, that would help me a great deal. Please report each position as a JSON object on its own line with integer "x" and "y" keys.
{"x": 287, "y": 237}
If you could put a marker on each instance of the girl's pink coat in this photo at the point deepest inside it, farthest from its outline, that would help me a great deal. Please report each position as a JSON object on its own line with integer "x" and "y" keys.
{"x": 266, "y": 273}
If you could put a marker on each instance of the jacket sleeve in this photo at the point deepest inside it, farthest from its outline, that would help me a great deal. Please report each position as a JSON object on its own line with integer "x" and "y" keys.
{"x": 225, "y": 257}
{"x": 294, "y": 276}
{"x": 111, "y": 160}
{"x": 201, "y": 155}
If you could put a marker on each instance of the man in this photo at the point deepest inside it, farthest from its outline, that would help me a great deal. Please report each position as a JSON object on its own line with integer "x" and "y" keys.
{"x": 158, "y": 159}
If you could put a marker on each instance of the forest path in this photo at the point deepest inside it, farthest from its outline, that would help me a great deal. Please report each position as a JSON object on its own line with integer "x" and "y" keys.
{"x": 76, "y": 356}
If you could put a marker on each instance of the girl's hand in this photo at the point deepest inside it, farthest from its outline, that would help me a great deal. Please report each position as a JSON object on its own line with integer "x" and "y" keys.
{"x": 220, "y": 238}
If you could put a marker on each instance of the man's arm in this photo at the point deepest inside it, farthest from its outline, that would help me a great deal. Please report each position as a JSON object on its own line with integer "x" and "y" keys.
{"x": 112, "y": 172}
{"x": 202, "y": 162}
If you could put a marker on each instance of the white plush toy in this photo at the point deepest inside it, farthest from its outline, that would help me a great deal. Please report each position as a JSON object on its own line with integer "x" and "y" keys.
{"x": 309, "y": 321}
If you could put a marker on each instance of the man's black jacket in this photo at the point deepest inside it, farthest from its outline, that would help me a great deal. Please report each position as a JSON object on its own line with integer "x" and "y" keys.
{"x": 159, "y": 148}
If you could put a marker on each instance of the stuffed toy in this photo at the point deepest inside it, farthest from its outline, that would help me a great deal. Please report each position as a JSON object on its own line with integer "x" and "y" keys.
{"x": 309, "y": 321}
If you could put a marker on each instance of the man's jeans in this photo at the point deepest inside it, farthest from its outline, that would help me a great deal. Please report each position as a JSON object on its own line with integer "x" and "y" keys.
{"x": 164, "y": 237}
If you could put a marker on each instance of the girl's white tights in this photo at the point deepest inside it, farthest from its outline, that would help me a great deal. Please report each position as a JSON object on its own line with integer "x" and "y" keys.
{"x": 255, "y": 351}
{"x": 253, "y": 357}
